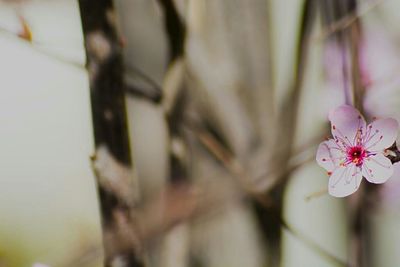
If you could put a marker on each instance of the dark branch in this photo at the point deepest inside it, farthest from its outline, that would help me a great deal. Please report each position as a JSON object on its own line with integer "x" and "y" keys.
{"x": 175, "y": 29}
{"x": 394, "y": 153}
{"x": 112, "y": 162}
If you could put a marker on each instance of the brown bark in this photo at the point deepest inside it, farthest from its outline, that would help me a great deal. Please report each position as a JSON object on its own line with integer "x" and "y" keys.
{"x": 112, "y": 162}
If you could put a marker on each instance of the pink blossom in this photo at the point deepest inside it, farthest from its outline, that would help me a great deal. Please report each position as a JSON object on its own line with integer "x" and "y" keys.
{"x": 356, "y": 150}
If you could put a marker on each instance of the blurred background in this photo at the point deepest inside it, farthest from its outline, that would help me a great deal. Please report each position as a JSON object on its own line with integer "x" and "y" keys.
{"x": 173, "y": 133}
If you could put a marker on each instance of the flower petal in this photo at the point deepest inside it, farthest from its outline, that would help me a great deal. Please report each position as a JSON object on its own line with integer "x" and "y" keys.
{"x": 347, "y": 125}
{"x": 329, "y": 155}
{"x": 344, "y": 181}
{"x": 377, "y": 169}
{"x": 381, "y": 134}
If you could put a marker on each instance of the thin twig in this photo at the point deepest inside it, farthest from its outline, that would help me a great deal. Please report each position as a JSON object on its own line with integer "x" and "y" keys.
{"x": 311, "y": 244}
{"x": 234, "y": 166}
{"x": 316, "y": 194}
{"x": 37, "y": 46}
{"x": 153, "y": 93}
{"x": 346, "y": 21}
{"x": 135, "y": 70}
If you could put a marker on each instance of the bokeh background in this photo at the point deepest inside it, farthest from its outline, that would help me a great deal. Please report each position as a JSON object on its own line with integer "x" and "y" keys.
{"x": 226, "y": 103}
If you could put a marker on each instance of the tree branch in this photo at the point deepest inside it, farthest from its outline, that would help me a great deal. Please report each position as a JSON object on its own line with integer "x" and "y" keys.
{"x": 112, "y": 162}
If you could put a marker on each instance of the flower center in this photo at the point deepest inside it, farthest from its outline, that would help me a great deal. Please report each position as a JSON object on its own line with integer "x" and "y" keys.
{"x": 356, "y": 155}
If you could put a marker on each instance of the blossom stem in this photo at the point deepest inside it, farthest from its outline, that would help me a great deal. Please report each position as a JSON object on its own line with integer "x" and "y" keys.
{"x": 393, "y": 153}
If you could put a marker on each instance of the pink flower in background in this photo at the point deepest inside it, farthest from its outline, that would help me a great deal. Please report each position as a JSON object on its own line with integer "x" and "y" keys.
{"x": 379, "y": 61}
{"x": 356, "y": 150}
